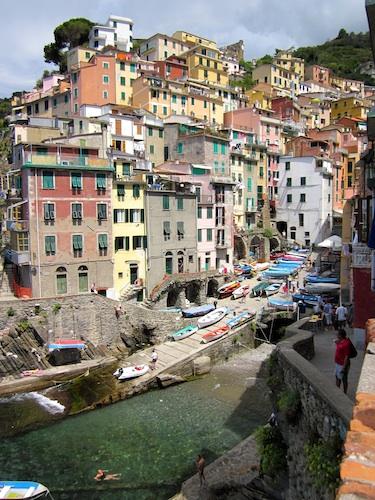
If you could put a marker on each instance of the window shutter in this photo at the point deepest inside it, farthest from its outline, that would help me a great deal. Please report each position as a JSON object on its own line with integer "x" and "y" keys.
{"x": 46, "y": 211}
{"x": 103, "y": 241}
{"x": 142, "y": 215}
{"x": 114, "y": 216}
{"x": 136, "y": 190}
{"x": 100, "y": 181}
{"x": 134, "y": 242}
{"x": 77, "y": 242}
{"x": 145, "y": 242}
{"x": 131, "y": 215}
{"x": 127, "y": 243}
{"x": 47, "y": 244}
{"x": 120, "y": 189}
{"x": 126, "y": 215}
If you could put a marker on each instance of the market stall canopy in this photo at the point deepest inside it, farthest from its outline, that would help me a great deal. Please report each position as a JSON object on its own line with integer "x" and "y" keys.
{"x": 333, "y": 242}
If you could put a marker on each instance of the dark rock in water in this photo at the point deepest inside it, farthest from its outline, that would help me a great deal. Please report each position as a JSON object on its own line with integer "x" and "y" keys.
{"x": 165, "y": 380}
{"x": 68, "y": 356}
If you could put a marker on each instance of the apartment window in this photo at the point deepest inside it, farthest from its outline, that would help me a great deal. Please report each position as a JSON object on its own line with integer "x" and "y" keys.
{"x": 350, "y": 167}
{"x": 46, "y": 105}
{"x": 329, "y": 198}
{"x": 139, "y": 242}
{"x": 180, "y": 148}
{"x": 132, "y": 68}
{"x": 161, "y": 133}
{"x": 77, "y": 243}
{"x": 137, "y": 215}
{"x": 136, "y": 190}
{"x": 101, "y": 182}
{"x": 199, "y": 212}
{"x": 205, "y": 104}
{"x": 292, "y": 235}
{"x": 105, "y": 94}
{"x": 301, "y": 219}
{"x": 54, "y": 102}
{"x": 209, "y": 212}
{"x": 48, "y": 179}
{"x": 287, "y": 165}
{"x": 164, "y": 95}
{"x": 103, "y": 244}
{"x": 261, "y": 172}
{"x": 180, "y": 231}
{"x": 149, "y": 132}
{"x": 123, "y": 96}
{"x": 122, "y": 81}
{"x": 122, "y": 243}
{"x": 174, "y": 99}
{"x": 105, "y": 65}
{"x": 180, "y": 203}
{"x": 289, "y": 198}
{"x": 223, "y": 149}
{"x": 205, "y": 73}
{"x": 302, "y": 198}
{"x": 303, "y": 181}
{"x": 152, "y": 149}
{"x": 122, "y": 66}
{"x": 61, "y": 281}
{"x": 105, "y": 79}
{"x": 167, "y": 230}
{"x": 76, "y": 180}
{"x": 75, "y": 93}
{"x": 120, "y": 215}
{"x": 199, "y": 234}
{"x": 154, "y": 108}
{"x": 76, "y": 108}
{"x": 216, "y": 148}
{"x": 168, "y": 263}
{"x": 50, "y": 245}
{"x": 209, "y": 234}
{"x": 126, "y": 170}
{"x": 249, "y": 184}
{"x": 102, "y": 211}
{"x": 165, "y": 110}
{"x": 165, "y": 202}
{"x": 76, "y": 212}
{"x": 49, "y": 211}
{"x": 183, "y": 100}
{"x": 192, "y": 101}
{"x": 289, "y": 181}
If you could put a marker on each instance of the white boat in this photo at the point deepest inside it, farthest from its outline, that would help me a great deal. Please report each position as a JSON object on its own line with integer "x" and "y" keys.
{"x": 260, "y": 266}
{"x": 242, "y": 291}
{"x": 212, "y": 317}
{"x": 24, "y": 489}
{"x": 271, "y": 289}
{"x": 129, "y": 372}
{"x": 319, "y": 288}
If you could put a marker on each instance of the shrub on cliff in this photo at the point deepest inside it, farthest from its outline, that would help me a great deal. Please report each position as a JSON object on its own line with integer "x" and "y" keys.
{"x": 289, "y": 403}
{"x": 323, "y": 463}
{"x": 272, "y": 450}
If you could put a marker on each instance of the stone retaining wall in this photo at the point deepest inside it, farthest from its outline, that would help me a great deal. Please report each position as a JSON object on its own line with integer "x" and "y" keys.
{"x": 358, "y": 466}
{"x": 324, "y": 412}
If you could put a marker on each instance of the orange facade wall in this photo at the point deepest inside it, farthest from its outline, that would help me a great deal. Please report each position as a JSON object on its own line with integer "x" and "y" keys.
{"x": 91, "y": 82}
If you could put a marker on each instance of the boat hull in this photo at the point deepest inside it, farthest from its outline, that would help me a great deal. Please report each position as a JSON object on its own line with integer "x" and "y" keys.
{"x": 212, "y": 317}
{"x": 131, "y": 372}
{"x": 282, "y": 305}
{"x": 184, "y": 333}
{"x": 215, "y": 334}
{"x": 23, "y": 489}
{"x": 194, "y": 312}
{"x": 242, "y": 291}
{"x": 240, "y": 319}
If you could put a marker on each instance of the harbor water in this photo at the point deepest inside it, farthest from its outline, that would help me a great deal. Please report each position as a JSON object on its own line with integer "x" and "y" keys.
{"x": 152, "y": 440}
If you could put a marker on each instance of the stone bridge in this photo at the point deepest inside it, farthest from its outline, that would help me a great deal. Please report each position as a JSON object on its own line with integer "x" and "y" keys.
{"x": 174, "y": 289}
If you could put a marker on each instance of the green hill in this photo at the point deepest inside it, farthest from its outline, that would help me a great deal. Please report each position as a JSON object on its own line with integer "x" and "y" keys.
{"x": 343, "y": 54}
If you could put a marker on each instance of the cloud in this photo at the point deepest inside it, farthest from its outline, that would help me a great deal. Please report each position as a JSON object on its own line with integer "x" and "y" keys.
{"x": 263, "y": 25}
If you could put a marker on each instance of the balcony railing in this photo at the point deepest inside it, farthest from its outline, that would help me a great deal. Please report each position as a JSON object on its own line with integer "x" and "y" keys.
{"x": 205, "y": 200}
{"x": 18, "y": 257}
{"x": 64, "y": 160}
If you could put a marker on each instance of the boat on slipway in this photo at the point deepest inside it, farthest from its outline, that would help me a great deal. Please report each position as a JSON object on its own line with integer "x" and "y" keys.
{"x": 212, "y": 317}
{"x": 23, "y": 489}
{"x": 272, "y": 289}
{"x": 282, "y": 304}
{"x": 311, "y": 300}
{"x": 215, "y": 334}
{"x": 319, "y": 288}
{"x": 227, "y": 289}
{"x": 321, "y": 279}
{"x": 240, "y": 319}
{"x": 194, "y": 312}
{"x": 184, "y": 332}
{"x": 242, "y": 291}
{"x": 130, "y": 372}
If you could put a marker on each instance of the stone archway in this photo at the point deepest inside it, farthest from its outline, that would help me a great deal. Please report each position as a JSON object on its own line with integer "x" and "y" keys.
{"x": 274, "y": 244}
{"x": 172, "y": 297}
{"x": 192, "y": 291}
{"x": 240, "y": 249}
{"x": 212, "y": 287}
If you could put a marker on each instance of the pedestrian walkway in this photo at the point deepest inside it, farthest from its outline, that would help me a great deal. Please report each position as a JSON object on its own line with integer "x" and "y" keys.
{"x": 324, "y": 342}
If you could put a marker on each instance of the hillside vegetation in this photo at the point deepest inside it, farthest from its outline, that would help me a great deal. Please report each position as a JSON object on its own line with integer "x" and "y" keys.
{"x": 343, "y": 54}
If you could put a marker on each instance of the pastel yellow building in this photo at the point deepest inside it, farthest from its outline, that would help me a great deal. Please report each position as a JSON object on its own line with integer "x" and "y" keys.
{"x": 191, "y": 39}
{"x": 286, "y": 60}
{"x": 352, "y": 107}
{"x": 284, "y": 82}
{"x": 259, "y": 99}
{"x": 126, "y": 73}
{"x": 165, "y": 98}
{"x": 78, "y": 55}
{"x": 129, "y": 233}
{"x": 205, "y": 65}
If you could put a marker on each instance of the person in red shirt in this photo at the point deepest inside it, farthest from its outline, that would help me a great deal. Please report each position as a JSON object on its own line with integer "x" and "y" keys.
{"x": 342, "y": 359}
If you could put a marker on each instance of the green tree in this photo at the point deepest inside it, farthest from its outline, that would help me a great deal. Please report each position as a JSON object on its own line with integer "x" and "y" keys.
{"x": 67, "y": 35}
{"x": 267, "y": 59}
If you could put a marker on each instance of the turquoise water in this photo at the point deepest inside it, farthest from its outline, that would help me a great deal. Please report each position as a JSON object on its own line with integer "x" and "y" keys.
{"x": 151, "y": 439}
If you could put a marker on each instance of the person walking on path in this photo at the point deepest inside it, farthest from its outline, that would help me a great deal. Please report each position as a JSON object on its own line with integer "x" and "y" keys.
{"x": 341, "y": 313}
{"x": 200, "y": 463}
{"x": 342, "y": 359}
{"x": 154, "y": 358}
{"x": 215, "y": 303}
{"x": 327, "y": 310}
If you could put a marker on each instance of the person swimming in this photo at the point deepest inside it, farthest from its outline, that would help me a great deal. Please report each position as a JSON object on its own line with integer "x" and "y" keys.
{"x": 102, "y": 475}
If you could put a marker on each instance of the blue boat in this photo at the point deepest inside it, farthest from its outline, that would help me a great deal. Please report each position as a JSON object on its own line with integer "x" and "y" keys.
{"x": 240, "y": 319}
{"x": 194, "y": 312}
{"x": 289, "y": 263}
{"x": 282, "y": 304}
{"x": 306, "y": 298}
{"x": 321, "y": 279}
{"x": 23, "y": 489}
{"x": 184, "y": 332}
{"x": 55, "y": 346}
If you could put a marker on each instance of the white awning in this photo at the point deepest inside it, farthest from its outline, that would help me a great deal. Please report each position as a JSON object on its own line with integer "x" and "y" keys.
{"x": 203, "y": 167}
{"x": 333, "y": 242}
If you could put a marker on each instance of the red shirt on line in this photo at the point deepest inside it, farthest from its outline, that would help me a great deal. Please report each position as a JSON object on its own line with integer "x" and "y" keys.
{"x": 342, "y": 351}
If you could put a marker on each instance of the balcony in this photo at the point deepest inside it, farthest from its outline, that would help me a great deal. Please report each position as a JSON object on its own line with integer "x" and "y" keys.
{"x": 64, "y": 160}
{"x": 220, "y": 198}
{"x": 18, "y": 226}
{"x": 18, "y": 257}
{"x": 221, "y": 244}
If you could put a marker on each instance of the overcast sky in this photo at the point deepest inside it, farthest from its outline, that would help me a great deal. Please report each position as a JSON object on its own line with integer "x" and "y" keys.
{"x": 27, "y": 25}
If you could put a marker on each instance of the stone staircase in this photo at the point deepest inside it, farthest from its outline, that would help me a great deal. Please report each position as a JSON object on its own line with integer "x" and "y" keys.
{"x": 6, "y": 278}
